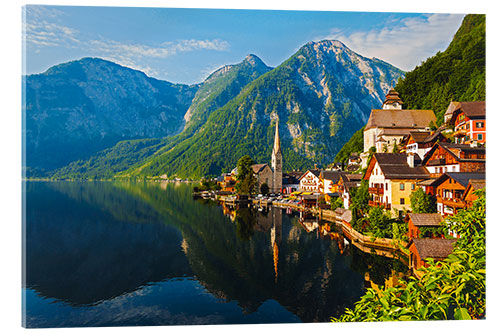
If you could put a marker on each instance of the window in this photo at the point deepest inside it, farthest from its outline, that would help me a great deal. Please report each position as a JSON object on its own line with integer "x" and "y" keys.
{"x": 480, "y": 137}
{"x": 386, "y": 186}
{"x": 402, "y": 201}
{"x": 480, "y": 124}
{"x": 402, "y": 186}
{"x": 412, "y": 186}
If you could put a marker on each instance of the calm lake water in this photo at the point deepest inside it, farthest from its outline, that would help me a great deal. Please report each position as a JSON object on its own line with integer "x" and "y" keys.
{"x": 126, "y": 254}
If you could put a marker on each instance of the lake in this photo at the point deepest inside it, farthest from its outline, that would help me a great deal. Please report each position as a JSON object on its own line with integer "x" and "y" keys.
{"x": 128, "y": 254}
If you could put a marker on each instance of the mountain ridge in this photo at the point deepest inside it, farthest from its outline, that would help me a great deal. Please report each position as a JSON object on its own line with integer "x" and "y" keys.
{"x": 319, "y": 76}
{"x": 80, "y": 107}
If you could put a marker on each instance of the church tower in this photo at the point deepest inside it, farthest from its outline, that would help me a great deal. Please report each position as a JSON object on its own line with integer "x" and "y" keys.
{"x": 277, "y": 162}
{"x": 392, "y": 101}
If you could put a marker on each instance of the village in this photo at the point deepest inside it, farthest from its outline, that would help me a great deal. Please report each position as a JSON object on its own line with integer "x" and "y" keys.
{"x": 410, "y": 172}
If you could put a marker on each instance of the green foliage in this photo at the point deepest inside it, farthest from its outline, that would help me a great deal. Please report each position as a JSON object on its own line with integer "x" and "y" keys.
{"x": 359, "y": 203}
{"x": 107, "y": 163}
{"x": 422, "y": 202}
{"x": 400, "y": 230}
{"x": 450, "y": 289}
{"x": 245, "y": 221}
{"x": 354, "y": 145}
{"x": 208, "y": 185}
{"x": 246, "y": 178}
{"x": 264, "y": 188}
{"x": 337, "y": 203}
{"x": 379, "y": 223}
{"x": 245, "y": 124}
{"x": 395, "y": 148}
{"x": 458, "y": 73}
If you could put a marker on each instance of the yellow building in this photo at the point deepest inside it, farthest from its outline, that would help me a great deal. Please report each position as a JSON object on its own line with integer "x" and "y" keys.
{"x": 391, "y": 180}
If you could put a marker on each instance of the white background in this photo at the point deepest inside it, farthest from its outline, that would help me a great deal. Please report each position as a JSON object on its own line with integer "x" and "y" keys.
{"x": 10, "y": 129}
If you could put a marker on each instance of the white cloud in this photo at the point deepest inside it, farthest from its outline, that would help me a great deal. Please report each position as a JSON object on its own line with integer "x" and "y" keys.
{"x": 40, "y": 31}
{"x": 405, "y": 44}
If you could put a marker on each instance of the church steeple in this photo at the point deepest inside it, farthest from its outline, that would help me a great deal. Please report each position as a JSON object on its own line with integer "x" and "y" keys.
{"x": 277, "y": 143}
{"x": 392, "y": 100}
{"x": 276, "y": 161}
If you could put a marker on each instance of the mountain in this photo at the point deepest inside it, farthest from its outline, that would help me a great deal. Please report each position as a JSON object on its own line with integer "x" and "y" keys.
{"x": 354, "y": 145}
{"x": 458, "y": 73}
{"x": 218, "y": 89}
{"x": 321, "y": 96}
{"x": 221, "y": 86}
{"x": 76, "y": 109}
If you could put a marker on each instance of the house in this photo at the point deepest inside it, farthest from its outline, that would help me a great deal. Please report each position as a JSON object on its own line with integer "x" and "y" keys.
{"x": 428, "y": 248}
{"x": 227, "y": 182}
{"x": 452, "y": 157}
{"x": 354, "y": 159}
{"x": 392, "y": 178}
{"x": 310, "y": 182}
{"x": 450, "y": 189}
{"x": 264, "y": 174}
{"x": 469, "y": 196}
{"x": 468, "y": 120}
{"x": 420, "y": 142}
{"x": 389, "y": 125}
{"x": 418, "y": 223}
{"x": 291, "y": 182}
{"x": 345, "y": 183}
{"x": 329, "y": 181}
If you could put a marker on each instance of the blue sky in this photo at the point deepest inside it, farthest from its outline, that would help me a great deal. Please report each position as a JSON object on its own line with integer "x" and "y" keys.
{"x": 186, "y": 45}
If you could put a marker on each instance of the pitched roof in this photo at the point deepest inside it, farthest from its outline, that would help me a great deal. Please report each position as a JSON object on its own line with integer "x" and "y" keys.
{"x": 392, "y": 96}
{"x": 477, "y": 184}
{"x": 451, "y": 108}
{"x": 400, "y": 118}
{"x": 426, "y": 220}
{"x": 456, "y": 150}
{"x": 258, "y": 167}
{"x": 344, "y": 214}
{"x": 433, "y": 247}
{"x": 315, "y": 172}
{"x": 462, "y": 178}
{"x": 396, "y": 166}
{"x": 331, "y": 175}
{"x": 473, "y": 109}
{"x": 419, "y": 136}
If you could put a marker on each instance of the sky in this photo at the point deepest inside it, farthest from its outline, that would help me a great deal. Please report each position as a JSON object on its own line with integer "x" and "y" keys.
{"x": 186, "y": 45}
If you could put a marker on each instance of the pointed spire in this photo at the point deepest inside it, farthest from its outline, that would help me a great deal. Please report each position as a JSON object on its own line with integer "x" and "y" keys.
{"x": 277, "y": 143}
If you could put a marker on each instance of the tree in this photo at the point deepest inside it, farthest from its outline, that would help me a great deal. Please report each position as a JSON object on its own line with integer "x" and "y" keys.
{"x": 359, "y": 202}
{"x": 395, "y": 148}
{"x": 453, "y": 288}
{"x": 380, "y": 223}
{"x": 337, "y": 203}
{"x": 421, "y": 202}
{"x": 246, "y": 178}
{"x": 264, "y": 188}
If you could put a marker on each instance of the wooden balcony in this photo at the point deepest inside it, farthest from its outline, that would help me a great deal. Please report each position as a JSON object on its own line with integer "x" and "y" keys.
{"x": 451, "y": 202}
{"x": 460, "y": 133}
{"x": 379, "y": 204}
{"x": 376, "y": 190}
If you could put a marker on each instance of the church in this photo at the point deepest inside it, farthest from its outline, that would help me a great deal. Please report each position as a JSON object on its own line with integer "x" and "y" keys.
{"x": 277, "y": 162}
{"x": 389, "y": 125}
{"x": 272, "y": 176}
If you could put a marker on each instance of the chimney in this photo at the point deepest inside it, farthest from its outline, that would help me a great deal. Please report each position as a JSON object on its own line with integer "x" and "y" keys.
{"x": 315, "y": 166}
{"x": 410, "y": 159}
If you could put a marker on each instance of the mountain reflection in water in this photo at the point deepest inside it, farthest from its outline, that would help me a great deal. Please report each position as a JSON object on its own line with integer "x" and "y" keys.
{"x": 119, "y": 253}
